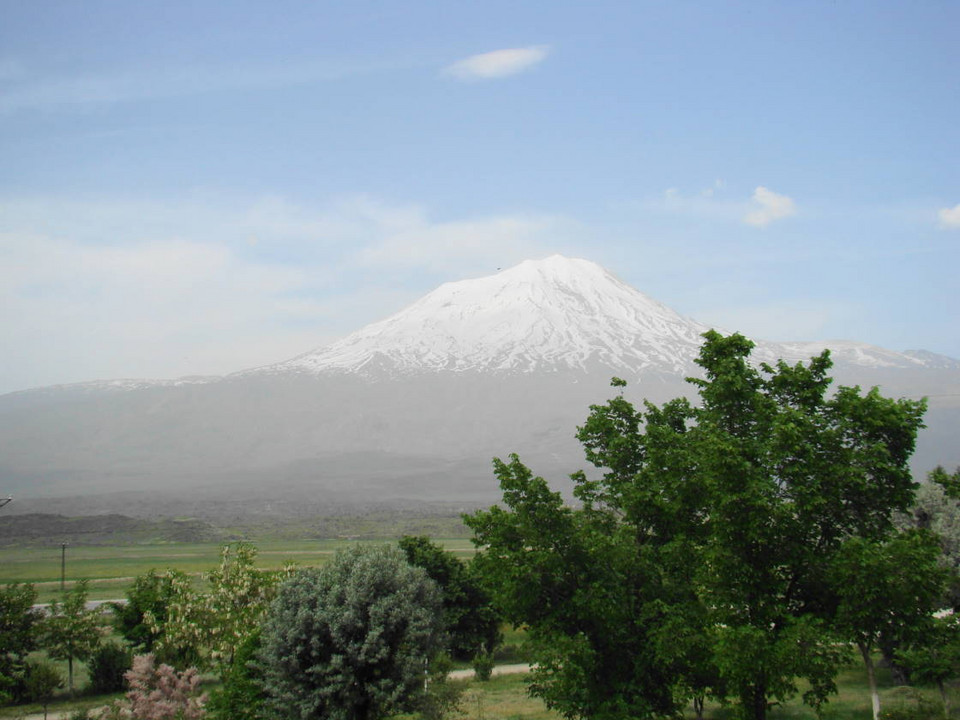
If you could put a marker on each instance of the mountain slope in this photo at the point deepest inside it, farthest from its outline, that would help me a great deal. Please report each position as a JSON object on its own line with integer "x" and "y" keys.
{"x": 411, "y": 407}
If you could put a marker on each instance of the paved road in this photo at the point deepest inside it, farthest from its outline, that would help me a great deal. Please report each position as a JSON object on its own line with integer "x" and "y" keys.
{"x": 498, "y": 670}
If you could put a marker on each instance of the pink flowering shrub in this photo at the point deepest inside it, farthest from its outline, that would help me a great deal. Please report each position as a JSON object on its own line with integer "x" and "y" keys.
{"x": 159, "y": 693}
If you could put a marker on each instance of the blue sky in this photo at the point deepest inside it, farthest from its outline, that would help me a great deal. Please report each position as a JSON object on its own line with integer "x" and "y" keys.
{"x": 203, "y": 187}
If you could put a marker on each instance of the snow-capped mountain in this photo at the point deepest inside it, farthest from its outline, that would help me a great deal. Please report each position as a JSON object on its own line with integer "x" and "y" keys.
{"x": 540, "y": 315}
{"x": 548, "y": 315}
{"x": 413, "y": 406}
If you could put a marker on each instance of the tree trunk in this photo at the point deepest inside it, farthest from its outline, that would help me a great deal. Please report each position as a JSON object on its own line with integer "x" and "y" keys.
{"x": 872, "y": 678}
{"x": 70, "y": 675}
{"x": 698, "y": 702}
{"x": 754, "y": 700}
{"x": 760, "y": 701}
{"x": 944, "y": 698}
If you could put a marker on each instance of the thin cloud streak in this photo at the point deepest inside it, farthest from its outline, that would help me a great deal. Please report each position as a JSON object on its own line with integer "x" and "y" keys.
{"x": 498, "y": 63}
{"x": 26, "y": 93}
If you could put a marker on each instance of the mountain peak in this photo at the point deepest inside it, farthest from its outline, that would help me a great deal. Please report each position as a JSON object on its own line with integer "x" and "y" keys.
{"x": 541, "y": 315}
{"x": 547, "y": 315}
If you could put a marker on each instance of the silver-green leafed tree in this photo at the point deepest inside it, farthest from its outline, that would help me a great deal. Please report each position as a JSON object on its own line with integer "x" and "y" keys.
{"x": 351, "y": 640}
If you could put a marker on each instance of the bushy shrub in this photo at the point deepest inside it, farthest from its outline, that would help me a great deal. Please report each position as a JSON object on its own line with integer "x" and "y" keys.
{"x": 107, "y": 666}
{"x": 483, "y": 666}
{"x": 347, "y": 641}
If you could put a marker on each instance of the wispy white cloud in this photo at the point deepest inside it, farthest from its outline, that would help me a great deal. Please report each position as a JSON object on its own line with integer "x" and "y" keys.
{"x": 769, "y": 206}
{"x": 29, "y": 91}
{"x": 498, "y": 63}
{"x": 950, "y": 217}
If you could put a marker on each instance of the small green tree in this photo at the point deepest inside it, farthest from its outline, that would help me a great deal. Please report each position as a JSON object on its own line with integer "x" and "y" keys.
{"x": 141, "y": 619}
{"x": 18, "y": 636}
{"x": 42, "y": 680}
{"x": 72, "y": 632}
{"x": 472, "y": 624}
{"x": 349, "y": 641}
{"x": 887, "y": 593}
{"x": 442, "y": 696}
{"x": 107, "y": 665}
{"x": 241, "y": 695}
{"x": 935, "y": 657}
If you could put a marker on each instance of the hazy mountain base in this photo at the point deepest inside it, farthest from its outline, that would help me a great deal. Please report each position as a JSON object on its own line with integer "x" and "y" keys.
{"x": 298, "y": 445}
{"x": 51, "y": 530}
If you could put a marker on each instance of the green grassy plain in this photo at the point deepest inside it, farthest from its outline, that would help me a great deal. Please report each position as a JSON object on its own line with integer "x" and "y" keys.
{"x": 110, "y": 570}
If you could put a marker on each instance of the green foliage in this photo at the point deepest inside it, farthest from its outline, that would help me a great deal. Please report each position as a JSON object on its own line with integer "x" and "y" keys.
{"x": 349, "y": 641}
{"x": 934, "y": 658}
{"x": 240, "y": 695}
{"x": 699, "y": 563}
{"x": 107, "y": 667}
{"x": 18, "y": 636}
{"x": 472, "y": 624}
{"x": 151, "y": 593}
{"x": 887, "y": 590}
{"x": 950, "y": 482}
{"x": 71, "y": 632}
{"x": 938, "y": 511}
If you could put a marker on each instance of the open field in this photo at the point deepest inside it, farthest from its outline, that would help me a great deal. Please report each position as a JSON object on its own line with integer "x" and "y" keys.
{"x": 110, "y": 570}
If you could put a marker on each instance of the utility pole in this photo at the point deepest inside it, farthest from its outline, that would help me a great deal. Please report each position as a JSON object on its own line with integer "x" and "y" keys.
{"x": 63, "y": 566}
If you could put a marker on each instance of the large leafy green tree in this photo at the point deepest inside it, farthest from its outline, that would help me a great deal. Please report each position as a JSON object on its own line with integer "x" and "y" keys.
{"x": 472, "y": 624}
{"x": 702, "y": 552}
{"x": 351, "y": 640}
